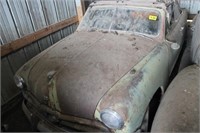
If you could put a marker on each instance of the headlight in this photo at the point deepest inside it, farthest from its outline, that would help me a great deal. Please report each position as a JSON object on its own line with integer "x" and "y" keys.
{"x": 19, "y": 81}
{"x": 111, "y": 119}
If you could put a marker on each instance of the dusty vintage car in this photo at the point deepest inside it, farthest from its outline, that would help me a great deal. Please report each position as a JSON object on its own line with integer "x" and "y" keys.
{"x": 102, "y": 77}
{"x": 181, "y": 100}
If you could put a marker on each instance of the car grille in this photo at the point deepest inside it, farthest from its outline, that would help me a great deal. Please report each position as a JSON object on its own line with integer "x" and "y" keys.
{"x": 66, "y": 122}
{"x": 81, "y": 127}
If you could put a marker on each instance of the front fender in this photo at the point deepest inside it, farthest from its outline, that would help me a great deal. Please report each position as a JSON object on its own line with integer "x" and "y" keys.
{"x": 131, "y": 95}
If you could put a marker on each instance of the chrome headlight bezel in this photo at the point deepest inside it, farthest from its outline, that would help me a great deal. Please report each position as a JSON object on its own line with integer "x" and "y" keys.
{"x": 19, "y": 81}
{"x": 111, "y": 119}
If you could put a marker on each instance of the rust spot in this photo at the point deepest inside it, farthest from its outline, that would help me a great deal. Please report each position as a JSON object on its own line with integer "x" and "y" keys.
{"x": 65, "y": 48}
{"x": 133, "y": 71}
{"x": 133, "y": 44}
{"x": 25, "y": 67}
{"x": 157, "y": 50}
{"x": 131, "y": 38}
{"x": 136, "y": 80}
{"x": 121, "y": 96}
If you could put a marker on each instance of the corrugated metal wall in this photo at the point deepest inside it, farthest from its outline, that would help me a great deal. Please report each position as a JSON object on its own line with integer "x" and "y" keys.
{"x": 193, "y": 6}
{"x": 22, "y": 17}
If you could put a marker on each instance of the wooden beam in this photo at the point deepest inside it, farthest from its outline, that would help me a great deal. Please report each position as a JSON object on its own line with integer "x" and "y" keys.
{"x": 79, "y": 10}
{"x": 28, "y": 39}
{"x": 83, "y": 6}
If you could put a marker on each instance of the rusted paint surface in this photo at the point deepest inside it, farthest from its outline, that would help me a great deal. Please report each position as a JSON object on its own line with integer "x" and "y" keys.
{"x": 131, "y": 94}
{"x": 99, "y": 70}
{"x": 92, "y": 73}
{"x": 83, "y": 68}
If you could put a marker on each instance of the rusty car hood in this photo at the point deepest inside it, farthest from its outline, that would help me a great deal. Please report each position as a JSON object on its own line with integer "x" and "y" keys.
{"x": 74, "y": 74}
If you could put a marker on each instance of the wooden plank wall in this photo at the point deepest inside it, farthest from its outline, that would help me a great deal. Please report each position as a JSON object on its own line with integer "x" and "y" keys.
{"x": 22, "y": 17}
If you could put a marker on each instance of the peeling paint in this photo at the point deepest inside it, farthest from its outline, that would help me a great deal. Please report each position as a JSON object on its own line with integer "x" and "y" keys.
{"x": 53, "y": 98}
{"x": 100, "y": 71}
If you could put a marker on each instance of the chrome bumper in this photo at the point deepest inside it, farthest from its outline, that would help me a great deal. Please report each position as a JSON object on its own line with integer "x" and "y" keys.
{"x": 39, "y": 122}
{"x": 43, "y": 124}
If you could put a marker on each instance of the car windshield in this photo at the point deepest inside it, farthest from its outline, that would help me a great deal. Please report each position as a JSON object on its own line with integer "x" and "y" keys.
{"x": 133, "y": 20}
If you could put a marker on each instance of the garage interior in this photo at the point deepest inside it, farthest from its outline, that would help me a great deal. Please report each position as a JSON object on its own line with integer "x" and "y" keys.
{"x": 28, "y": 27}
